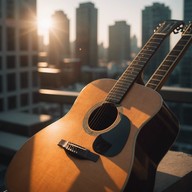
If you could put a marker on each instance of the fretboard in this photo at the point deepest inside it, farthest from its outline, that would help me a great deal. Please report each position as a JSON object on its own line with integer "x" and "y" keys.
{"x": 134, "y": 69}
{"x": 168, "y": 64}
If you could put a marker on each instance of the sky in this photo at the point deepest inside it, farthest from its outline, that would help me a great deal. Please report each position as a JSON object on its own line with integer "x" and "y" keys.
{"x": 108, "y": 12}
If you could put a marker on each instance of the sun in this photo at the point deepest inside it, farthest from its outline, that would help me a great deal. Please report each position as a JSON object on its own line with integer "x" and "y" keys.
{"x": 44, "y": 24}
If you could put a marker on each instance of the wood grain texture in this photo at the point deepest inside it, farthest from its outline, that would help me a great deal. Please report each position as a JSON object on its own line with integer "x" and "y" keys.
{"x": 40, "y": 165}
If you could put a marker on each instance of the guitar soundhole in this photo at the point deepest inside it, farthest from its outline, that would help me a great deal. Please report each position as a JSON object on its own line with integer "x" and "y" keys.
{"x": 102, "y": 117}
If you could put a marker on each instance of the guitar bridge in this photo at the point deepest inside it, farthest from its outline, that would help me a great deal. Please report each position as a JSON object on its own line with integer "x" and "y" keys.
{"x": 78, "y": 151}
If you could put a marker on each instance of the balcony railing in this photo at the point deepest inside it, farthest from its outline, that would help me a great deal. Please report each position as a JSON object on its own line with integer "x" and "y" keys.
{"x": 177, "y": 94}
{"x": 170, "y": 94}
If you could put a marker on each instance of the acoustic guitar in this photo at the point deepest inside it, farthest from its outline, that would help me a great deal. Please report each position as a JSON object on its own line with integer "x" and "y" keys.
{"x": 92, "y": 147}
{"x": 156, "y": 138}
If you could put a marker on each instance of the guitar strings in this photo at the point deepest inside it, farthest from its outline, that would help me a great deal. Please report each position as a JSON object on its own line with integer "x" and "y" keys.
{"x": 96, "y": 120}
{"x": 152, "y": 45}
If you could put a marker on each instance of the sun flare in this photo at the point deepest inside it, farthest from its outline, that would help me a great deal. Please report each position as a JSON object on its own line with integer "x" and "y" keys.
{"x": 44, "y": 25}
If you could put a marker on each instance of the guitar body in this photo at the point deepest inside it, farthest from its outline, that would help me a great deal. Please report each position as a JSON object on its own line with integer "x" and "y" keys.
{"x": 153, "y": 142}
{"x": 41, "y": 165}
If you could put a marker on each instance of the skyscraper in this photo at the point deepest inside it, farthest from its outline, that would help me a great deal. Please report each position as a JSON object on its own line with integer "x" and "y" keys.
{"x": 119, "y": 42}
{"x": 151, "y": 17}
{"x": 18, "y": 56}
{"x": 86, "y": 34}
{"x": 185, "y": 67}
{"x": 59, "y": 46}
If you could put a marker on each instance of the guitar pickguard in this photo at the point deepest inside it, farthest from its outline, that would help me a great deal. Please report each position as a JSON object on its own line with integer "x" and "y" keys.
{"x": 112, "y": 142}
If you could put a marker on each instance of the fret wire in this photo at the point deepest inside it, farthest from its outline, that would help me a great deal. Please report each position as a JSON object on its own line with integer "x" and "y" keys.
{"x": 167, "y": 62}
{"x": 155, "y": 41}
{"x": 139, "y": 62}
{"x": 175, "y": 52}
{"x": 157, "y": 77}
{"x": 130, "y": 76}
{"x": 179, "y": 47}
{"x": 185, "y": 37}
{"x": 183, "y": 42}
{"x": 144, "y": 58}
{"x": 119, "y": 85}
{"x": 148, "y": 50}
{"x": 166, "y": 66}
{"x": 171, "y": 57}
{"x": 135, "y": 67}
{"x": 143, "y": 55}
{"x": 151, "y": 86}
{"x": 150, "y": 83}
{"x": 161, "y": 70}
{"x": 153, "y": 45}
{"x": 133, "y": 71}
{"x": 154, "y": 80}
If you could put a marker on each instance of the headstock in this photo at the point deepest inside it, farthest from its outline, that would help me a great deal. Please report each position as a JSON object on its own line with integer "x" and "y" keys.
{"x": 169, "y": 26}
{"x": 187, "y": 29}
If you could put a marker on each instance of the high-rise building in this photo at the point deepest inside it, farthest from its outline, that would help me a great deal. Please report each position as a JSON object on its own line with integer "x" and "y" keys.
{"x": 86, "y": 34}
{"x": 18, "y": 56}
{"x": 59, "y": 46}
{"x": 183, "y": 109}
{"x": 185, "y": 66}
{"x": 134, "y": 46}
{"x": 151, "y": 17}
{"x": 119, "y": 42}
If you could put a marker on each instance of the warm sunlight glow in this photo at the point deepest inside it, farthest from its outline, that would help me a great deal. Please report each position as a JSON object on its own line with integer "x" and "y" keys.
{"x": 44, "y": 25}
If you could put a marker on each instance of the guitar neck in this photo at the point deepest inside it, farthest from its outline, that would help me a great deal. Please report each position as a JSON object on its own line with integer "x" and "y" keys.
{"x": 168, "y": 64}
{"x": 134, "y": 69}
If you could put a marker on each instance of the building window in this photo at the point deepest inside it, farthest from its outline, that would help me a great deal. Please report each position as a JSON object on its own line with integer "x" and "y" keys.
{"x": 23, "y": 39}
{"x": 11, "y": 82}
{"x": 24, "y": 61}
{"x": 0, "y": 62}
{"x": 10, "y": 9}
{"x": 35, "y": 97}
{"x": 35, "y": 78}
{"x": 24, "y": 99}
{"x": 11, "y": 62}
{"x": 35, "y": 60}
{"x": 34, "y": 40}
{"x": 0, "y": 8}
{"x": 24, "y": 11}
{"x": 24, "y": 80}
{"x": 1, "y": 104}
{"x": 1, "y": 84}
{"x": 12, "y": 102}
{"x": 10, "y": 39}
{"x": 0, "y": 33}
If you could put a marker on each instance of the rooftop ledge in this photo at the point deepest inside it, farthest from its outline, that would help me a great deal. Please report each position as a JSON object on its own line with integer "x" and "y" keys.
{"x": 174, "y": 173}
{"x": 172, "y": 94}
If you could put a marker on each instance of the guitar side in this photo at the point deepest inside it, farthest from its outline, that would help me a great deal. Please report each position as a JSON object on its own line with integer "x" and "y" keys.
{"x": 41, "y": 165}
{"x": 153, "y": 142}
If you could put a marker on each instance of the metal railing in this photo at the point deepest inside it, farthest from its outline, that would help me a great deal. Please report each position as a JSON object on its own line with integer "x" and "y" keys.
{"x": 171, "y": 94}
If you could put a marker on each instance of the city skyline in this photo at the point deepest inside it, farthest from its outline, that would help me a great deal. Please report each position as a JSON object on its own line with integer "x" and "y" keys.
{"x": 129, "y": 11}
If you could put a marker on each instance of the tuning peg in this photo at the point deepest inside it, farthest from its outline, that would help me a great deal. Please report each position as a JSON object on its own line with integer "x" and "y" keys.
{"x": 179, "y": 29}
